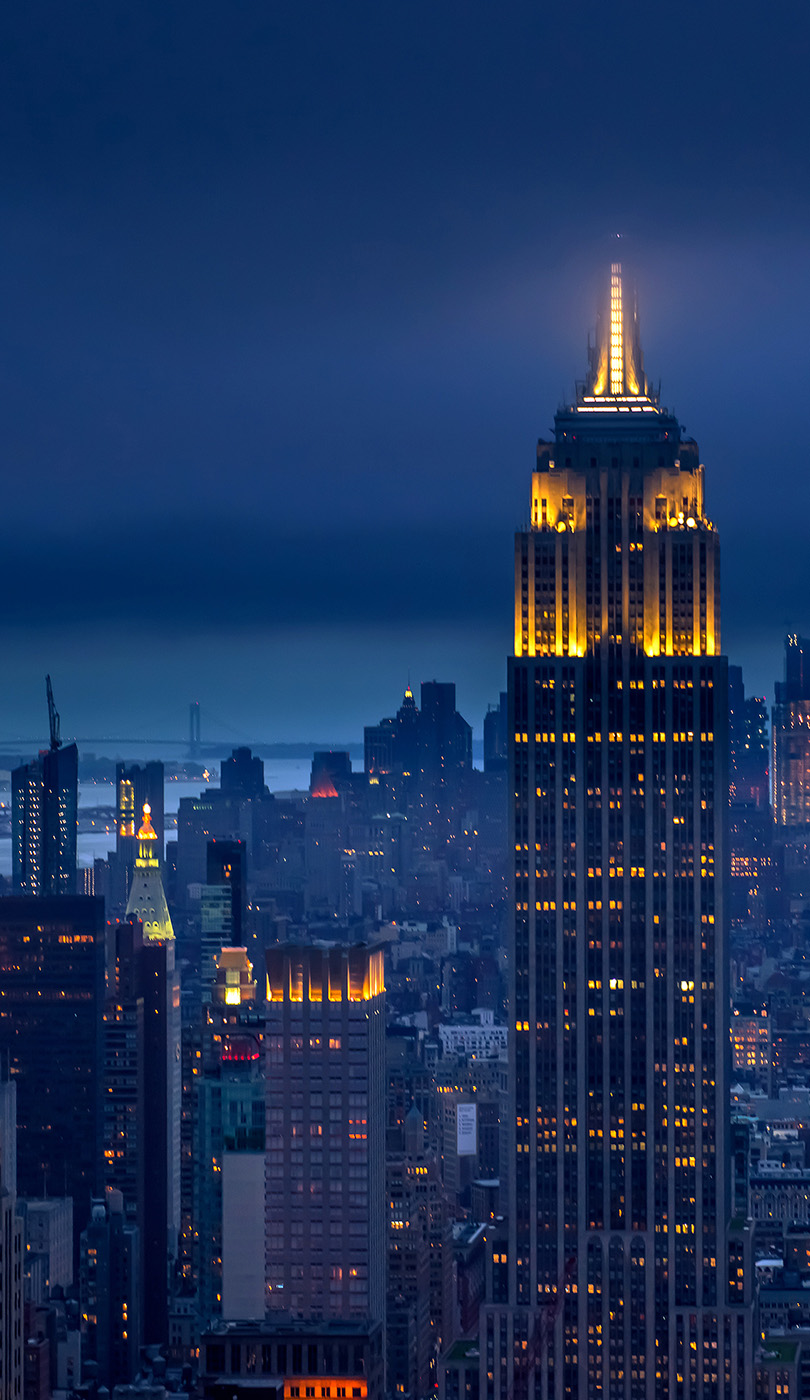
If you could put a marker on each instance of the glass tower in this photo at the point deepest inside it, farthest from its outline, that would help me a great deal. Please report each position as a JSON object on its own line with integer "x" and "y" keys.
{"x": 622, "y": 1277}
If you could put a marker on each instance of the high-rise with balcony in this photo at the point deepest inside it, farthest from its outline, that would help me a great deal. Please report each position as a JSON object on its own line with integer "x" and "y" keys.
{"x": 622, "y": 1275}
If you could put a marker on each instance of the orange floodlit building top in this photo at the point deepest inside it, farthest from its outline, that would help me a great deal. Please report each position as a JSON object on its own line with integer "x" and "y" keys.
{"x": 304, "y": 973}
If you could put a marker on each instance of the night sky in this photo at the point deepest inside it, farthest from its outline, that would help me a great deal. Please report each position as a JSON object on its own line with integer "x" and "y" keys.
{"x": 289, "y": 291}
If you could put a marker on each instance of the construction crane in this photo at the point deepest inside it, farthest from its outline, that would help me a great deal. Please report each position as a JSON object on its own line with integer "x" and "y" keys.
{"x": 53, "y": 717}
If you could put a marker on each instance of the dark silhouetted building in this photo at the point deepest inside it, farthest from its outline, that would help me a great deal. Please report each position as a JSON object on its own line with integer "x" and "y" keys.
{"x": 142, "y": 1099}
{"x": 754, "y": 859}
{"x": 37, "y": 1358}
{"x": 224, "y": 816}
{"x": 223, "y": 906}
{"x": 51, "y": 1008}
{"x": 136, "y": 784}
{"x": 109, "y": 1292}
{"x": 11, "y": 1251}
{"x": 623, "y": 1277}
{"x": 160, "y": 987}
{"x": 410, "y": 1176}
{"x": 423, "y": 759}
{"x": 49, "y": 1239}
{"x": 226, "y": 866}
{"x": 748, "y": 744}
{"x": 331, "y": 773}
{"x": 791, "y": 739}
{"x": 242, "y": 775}
{"x": 230, "y": 1147}
{"x": 391, "y": 748}
{"x": 44, "y": 806}
{"x": 378, "y": 748}
{"x": 123, "y": 1098}
{"x": 496, "y": 736}
{"x": 445, "y": 739}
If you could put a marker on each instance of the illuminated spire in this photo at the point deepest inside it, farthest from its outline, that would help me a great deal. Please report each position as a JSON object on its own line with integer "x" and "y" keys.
{"x": 615, "y": 401}
{"x": 616, "y": 331}
{"x": 616, "y": 363}
{"x": 147, "y": 900}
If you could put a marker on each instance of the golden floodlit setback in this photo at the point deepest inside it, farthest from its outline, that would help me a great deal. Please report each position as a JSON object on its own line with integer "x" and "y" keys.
{"x": 624, "y": 1275}
{"x": 665, "y": 593}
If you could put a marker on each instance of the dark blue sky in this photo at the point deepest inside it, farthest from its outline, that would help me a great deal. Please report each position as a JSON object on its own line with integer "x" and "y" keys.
{"x": 289, "y": 290}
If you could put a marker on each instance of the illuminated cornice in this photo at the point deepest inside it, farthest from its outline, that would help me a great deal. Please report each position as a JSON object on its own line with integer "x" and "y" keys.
{"x": 298, "y": 973}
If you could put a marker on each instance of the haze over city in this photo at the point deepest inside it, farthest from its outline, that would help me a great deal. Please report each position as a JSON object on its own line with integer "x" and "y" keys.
{"x": 290, "y": 293}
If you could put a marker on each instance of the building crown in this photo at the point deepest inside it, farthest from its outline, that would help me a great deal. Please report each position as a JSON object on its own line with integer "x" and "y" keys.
{"x": 147, "y": 900}
{"x": 146, "y": 836}
{"x": 615, "y": 362}
{"x": 615, "y": 400}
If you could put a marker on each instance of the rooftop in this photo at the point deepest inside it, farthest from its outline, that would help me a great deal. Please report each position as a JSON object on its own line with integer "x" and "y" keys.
{"x": 778, "y": 1349}
{"x": 464, "y": 1350}
{"x": 286, "y": 1326}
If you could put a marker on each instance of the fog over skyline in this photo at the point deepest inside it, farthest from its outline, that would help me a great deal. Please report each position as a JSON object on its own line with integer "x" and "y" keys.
{"x": 289, "y": 293}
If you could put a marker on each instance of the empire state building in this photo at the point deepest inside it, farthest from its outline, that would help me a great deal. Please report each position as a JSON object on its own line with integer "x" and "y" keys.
{"x": 622, "y": 1275}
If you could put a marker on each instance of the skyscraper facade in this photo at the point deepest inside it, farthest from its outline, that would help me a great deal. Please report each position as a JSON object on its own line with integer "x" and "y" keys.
{"x": 229, "y": 1147}
{"x": 160, "y": 988}
{"x": 226, "y": 866}
{"x": 791, "y": 740}
{"x": 325, "y": 1222}
{"x": 124, "y": 1091}
{"x": 51, "y": 1006}
{"x": 11, "y": 1253}
{"x": 109, "y": 1291}
{"x": 135, "y": 784}
{"x": 242, "y": 774}
{"x": 748, "y": 745}
{"x": 142, "y": 1039}
{"x": 44, "y": 803}
{"x": 141, "y": 1104}
{"x": 623, "y": 1278}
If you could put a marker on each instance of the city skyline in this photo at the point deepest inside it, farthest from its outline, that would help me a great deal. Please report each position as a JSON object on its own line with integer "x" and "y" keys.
{"x": 450, "y": 1040}
{"x": 284, "y": 305}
